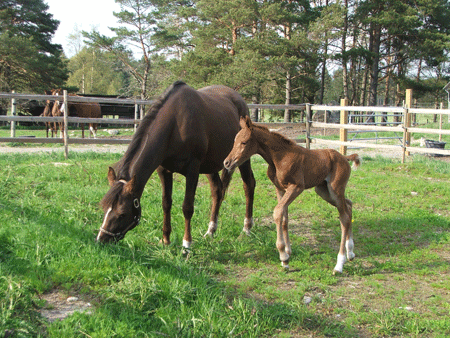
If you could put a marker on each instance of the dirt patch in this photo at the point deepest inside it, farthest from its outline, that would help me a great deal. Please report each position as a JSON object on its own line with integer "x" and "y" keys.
{"x": 59, "y": 306}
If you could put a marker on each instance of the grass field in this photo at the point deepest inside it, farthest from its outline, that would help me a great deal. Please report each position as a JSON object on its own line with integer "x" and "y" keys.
{"x": 232, "y": 285}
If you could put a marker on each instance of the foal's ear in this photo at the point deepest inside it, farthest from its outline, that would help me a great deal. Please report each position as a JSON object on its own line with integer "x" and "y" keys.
{"x": 130, "y": 186}
{"x": 111, "y": 176}
{"x": 245, "y": 122}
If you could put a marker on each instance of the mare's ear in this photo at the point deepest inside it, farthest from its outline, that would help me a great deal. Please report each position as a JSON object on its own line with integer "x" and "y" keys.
{"x": 245, "y": 122}
{"x": 111, "y": 176}
{"x": 130, "y": 186}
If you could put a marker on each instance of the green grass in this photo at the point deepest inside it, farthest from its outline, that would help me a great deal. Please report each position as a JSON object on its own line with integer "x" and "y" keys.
{"x": 232, "y": 285}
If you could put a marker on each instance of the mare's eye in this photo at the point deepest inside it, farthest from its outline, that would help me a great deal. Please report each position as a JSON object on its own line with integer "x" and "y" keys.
{"x": 244, "y": 143}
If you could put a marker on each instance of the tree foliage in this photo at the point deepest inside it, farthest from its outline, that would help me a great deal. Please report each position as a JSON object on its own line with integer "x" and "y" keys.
{"x": 28, "y": 59}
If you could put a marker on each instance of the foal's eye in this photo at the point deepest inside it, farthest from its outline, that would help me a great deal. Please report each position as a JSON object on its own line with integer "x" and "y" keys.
{"x": 244, "y": 143}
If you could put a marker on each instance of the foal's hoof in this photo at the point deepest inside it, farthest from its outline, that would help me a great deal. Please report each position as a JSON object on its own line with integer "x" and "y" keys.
{"x": 337, "y": 272}
{"x": 350, "y": 256}
{"x": 285, "y": 265}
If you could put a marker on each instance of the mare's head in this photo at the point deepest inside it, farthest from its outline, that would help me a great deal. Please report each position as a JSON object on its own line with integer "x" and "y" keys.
{"x": 122, "y": 208}
{"x": 245, "y": 145}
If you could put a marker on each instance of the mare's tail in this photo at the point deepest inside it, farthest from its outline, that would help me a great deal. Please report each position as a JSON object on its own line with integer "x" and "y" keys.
{"x": 355, "y": 159}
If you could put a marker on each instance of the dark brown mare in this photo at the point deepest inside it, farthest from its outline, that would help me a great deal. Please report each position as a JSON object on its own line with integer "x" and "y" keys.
{"x": 189, "y": 132}
{"x": 78, "y": 109}
{"x": 293, "y": 169}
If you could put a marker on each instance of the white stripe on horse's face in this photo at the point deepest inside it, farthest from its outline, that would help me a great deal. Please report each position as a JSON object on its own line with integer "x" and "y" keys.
{"x": 104, "y": 223}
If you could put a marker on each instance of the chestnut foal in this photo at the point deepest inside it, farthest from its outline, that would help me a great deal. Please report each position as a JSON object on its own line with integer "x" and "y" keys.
{"x": 293, "y": 169}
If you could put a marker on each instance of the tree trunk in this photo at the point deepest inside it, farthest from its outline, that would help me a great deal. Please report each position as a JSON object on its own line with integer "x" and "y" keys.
{"x": 344, "y": 57}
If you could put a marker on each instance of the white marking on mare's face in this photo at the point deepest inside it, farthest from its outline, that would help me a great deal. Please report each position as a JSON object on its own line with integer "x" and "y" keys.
{"x": 104, "y": 223}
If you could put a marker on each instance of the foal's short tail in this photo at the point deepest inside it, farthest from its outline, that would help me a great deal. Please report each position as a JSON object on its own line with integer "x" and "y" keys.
{"x": 356, "y": 160}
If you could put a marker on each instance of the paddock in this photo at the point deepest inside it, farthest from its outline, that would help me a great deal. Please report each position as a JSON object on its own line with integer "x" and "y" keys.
{"x": 231, "y": 285}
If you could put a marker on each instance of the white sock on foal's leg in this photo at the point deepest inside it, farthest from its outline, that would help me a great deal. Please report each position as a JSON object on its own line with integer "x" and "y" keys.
{"x": 349, "y": 245}
{"x": 340, "y": 263}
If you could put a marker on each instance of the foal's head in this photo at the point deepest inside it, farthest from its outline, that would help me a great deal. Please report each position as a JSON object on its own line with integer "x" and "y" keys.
{"x": 245, "y": 145}
{"x": 122, "y": 208}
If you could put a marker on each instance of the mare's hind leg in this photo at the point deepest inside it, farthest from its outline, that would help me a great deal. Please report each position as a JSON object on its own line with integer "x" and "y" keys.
{"x": 217, "y": 196}
{"x": 344, "y": 206}
{"x": 249, "y": 188}
{"x": 166, "y": 178}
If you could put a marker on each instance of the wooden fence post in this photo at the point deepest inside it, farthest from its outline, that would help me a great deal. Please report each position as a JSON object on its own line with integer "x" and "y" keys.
{"x": 308, "y": 126}
{"x": 343, "y": 132}
{"x": 407, "y": 118}
{"x": 13, "y": 113}
{"x": 66, "y": 125}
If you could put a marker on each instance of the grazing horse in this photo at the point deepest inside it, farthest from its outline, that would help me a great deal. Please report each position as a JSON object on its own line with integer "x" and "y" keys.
{"x": 293, "y": 169}
{"x": 79, "y": 109}
{"x": 186, "y": 131}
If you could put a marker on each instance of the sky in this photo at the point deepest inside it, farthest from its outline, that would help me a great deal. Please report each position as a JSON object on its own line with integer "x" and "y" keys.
{"x": 81, "y": 15}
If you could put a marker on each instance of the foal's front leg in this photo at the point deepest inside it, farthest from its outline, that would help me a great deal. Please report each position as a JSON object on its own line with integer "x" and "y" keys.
{"x": 281, "y": 219}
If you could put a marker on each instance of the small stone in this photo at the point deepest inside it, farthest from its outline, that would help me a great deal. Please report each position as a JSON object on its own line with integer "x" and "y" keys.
{"x": 72, "y": 299}
{"x": 307, "y": 300}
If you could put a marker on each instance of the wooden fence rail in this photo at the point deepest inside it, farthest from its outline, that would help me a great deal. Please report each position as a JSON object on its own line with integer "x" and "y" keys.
{"x": 405, "y": 127}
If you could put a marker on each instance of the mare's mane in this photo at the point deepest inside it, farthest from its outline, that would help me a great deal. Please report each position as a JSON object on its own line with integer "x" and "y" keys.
{"x": 281, "y": 138}
{"x": 123, "y": 166}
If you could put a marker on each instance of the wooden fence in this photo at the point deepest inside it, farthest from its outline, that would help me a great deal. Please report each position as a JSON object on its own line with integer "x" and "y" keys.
{"x": 405, "y": 128}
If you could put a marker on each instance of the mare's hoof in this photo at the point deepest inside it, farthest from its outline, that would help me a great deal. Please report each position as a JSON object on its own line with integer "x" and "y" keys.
{"x": 186, "y": 252}
{"x": 162, "y": 241}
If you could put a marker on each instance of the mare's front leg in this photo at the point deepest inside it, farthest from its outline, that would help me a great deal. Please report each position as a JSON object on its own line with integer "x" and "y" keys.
{"x": 281, "y": 219}
{"x": 166, "y": 178}
{"x": 217, "y": 193}
{"x": 192, "y": 174}
{"x": 249, "y": 183}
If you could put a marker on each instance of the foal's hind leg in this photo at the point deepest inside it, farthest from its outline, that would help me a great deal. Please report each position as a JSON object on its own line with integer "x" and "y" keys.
{"x": 217, "y": 197}
{"x": 336, "y": 198}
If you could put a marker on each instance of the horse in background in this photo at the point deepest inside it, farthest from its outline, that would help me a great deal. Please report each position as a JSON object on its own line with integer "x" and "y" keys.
{"x": 48, "y": 113}
{"x": 186, "y": 131}
{"x": 78, "y": 109}
{"x": 292, "y": 169}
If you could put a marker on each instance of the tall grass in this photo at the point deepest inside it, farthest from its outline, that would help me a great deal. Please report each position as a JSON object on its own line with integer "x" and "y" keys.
{"x": 231, "y": 285}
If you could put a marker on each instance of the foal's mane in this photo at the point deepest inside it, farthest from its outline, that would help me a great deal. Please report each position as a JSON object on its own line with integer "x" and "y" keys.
{"x": 123, "y": 165}
{"x": 280, "y": 138}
